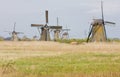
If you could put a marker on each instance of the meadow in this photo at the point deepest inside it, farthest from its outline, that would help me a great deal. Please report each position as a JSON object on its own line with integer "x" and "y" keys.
{"x": 53, "y": 59}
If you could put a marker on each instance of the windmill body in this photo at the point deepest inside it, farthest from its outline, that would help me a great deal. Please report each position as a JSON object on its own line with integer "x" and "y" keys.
{"x": 98, "y": 31}
{"x": 14, "y": 36}
{"x": 56, "y": 35}
{"x": 45, "y": 34}
{"x": 65, "y": 34}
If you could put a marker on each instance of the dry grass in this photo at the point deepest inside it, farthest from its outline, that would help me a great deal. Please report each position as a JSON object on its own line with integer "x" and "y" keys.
{"x": 16, "y": 50}
{"x": 54, "y": 46}
{"x": 22, "y": 49}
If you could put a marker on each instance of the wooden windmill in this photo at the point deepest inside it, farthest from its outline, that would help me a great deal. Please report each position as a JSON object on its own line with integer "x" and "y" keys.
{"x": 98, "y": 31}
{"x": 14, "y": 34}
{"x": 45, "y": 34}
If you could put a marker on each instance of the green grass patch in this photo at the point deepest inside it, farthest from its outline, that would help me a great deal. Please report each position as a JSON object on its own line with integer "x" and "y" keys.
{"x": 76, "y": 63}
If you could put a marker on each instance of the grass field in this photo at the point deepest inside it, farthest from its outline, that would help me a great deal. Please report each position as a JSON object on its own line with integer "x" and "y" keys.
{"x": 51, "y": 59}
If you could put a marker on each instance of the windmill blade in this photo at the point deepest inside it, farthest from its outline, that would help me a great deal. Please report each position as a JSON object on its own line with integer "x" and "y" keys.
{"x": 38, "y": 30}
{"x": 57, "y": 21}
{"x": 65, "y": 29}
{"x": 108, "y": 22}
{"x": 102, "y": 13}
{"x": 14, "y": 26}
{"x": 37, "y": 25}
{"x": 89, "y": 34}
{"x": 19, "y": 32}
{"x": 46, "y": 12}
{"x": 8, "y": 31}
{"x": 55, "y": 27}
{"x": 103, "y": 19}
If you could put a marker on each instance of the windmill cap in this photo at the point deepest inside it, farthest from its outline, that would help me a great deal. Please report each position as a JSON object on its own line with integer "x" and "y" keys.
{"x": 97, "y": 21}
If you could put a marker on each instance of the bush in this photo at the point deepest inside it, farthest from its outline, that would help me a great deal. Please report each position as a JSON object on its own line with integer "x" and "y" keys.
{"x": 71, "y": 40}
{"x": 113, "y": 40}
{"x": 25, "y": 38}
{"x": 1, "y": 39}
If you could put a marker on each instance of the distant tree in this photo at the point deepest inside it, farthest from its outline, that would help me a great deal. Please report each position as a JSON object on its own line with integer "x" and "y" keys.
{"x": 8, "y": 38}
{"x": 25, "y": 38}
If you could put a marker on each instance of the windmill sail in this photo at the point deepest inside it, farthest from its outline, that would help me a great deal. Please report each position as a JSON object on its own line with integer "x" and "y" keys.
{"x": 108, "y": 22}
{"x": 89, "y": 34}
{"x": 103, "y": 22}
{"x": 46, "y": 16}
{"x": 37, "y": 25}
{"x": 14, "y": 26}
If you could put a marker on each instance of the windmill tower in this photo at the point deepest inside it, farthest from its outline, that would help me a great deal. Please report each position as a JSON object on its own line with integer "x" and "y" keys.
{"x": 98, "y": 31}
{"x": 56, "y": 34}
{"x": 14, "y": 33}
{"x": 45, "y": 34}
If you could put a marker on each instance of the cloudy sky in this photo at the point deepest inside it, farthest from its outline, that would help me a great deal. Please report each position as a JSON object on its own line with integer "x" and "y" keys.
{"x": 73, "y": 14}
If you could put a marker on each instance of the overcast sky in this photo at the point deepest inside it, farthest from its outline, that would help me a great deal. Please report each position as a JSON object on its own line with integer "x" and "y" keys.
{"x": 73, "y": 14}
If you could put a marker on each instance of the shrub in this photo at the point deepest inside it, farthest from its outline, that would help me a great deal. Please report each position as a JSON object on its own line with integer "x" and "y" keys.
{"x": 71, "y": 40}
{"x": 1, "y": 38}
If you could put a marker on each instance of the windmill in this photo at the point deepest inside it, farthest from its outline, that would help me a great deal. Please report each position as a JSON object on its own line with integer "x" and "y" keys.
{"x": 98, "y": 31}
{"x": 45, "y": 34}
{"x": 14, "y": 33}
{"x": 57, "y": 32}
{"x": 65, "y": 34}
